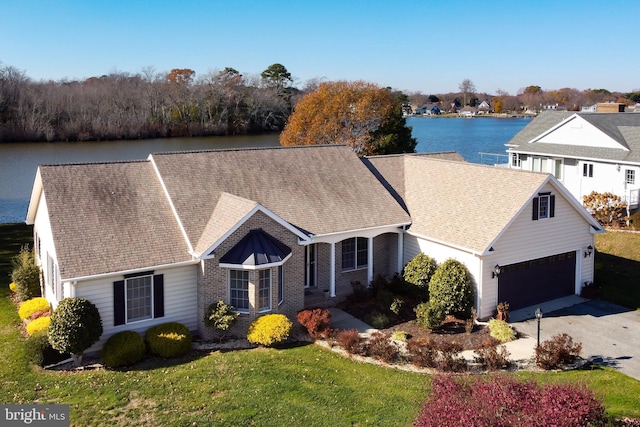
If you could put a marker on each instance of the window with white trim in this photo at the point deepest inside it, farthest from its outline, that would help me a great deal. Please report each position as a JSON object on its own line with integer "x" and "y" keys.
{"x": 239, "y": 290}
{"x": 515, "y": 160}
{"x": 544, "y": 206}
{"x": 354, "y": 253}
{"x": 139, "y": 298}
{"x": 280, "y": 284}
{"x": 264, "y": 290}
{"x": 630, "y": 176}
{"x": 587, "y": 170}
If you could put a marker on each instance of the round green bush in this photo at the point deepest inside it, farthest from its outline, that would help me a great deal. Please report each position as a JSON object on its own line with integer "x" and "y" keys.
{"x": 170, "y": 339}
{"x": 125, "y": 348}
{"x": 269, "y": 329}
{"x": 75, "y": 326}
{"x": 429, "y": 315}
{"x": 451, "y": 289}
{"x": 39, "y": 350}
{"x": 419, "y": 270}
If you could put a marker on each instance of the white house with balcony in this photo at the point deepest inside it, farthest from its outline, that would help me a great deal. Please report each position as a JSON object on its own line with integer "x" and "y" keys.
{"x": 585, "y": 151}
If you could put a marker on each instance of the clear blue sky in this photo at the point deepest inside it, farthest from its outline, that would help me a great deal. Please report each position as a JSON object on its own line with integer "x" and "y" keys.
{"x": 418, "y": 45}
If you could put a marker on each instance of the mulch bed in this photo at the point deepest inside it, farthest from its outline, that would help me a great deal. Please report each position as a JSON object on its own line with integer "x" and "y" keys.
{"x": 452, "y": 330}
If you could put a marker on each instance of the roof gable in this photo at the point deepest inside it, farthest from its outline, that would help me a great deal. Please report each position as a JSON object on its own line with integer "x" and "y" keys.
{"x": 577, "y": 131}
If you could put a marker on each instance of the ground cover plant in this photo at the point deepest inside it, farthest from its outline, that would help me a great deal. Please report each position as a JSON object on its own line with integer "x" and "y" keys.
{"x": 300, "y": 385}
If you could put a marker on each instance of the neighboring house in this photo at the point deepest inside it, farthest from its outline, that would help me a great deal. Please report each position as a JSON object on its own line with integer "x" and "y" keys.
{"x": 589, "y": 108}
{"x": 484, "y": 108}
{"x": 468, "y": 111}
{"x": 269, "y": 230}
{"x": 585, "y": 151}
{"x": 428, "y": 109}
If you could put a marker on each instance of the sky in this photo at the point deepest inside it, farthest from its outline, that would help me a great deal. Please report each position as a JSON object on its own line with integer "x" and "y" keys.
{"x": 413, "y": 46}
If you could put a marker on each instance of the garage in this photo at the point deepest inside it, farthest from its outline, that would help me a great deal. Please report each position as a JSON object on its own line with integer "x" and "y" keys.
{"x": 535, "y": 281}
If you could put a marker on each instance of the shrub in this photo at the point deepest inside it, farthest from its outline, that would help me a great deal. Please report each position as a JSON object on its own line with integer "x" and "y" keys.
{"x": 419, "y": 271}
{"x": 451, "y": 289}
{"x": 634, "y": 221}
{"x": 220, "y": 316}
{"x": 493, "y": 356}
{"x": 400, "y": 336}
{"x": 429, "y": 315}
{"x": 33, "y": 306}
{"x": 379, "y": 347}
{"x": 379, "y": 320}
{"x": 607, "y": 208}
{"x": 125, "y": 348}
{"x": 350, "y": 341}
{"x": 431, "y": 354}
{"x": 26, "y": 275}
{"x": 504, "y": 401}
{"x": 75, "y": 326}
{"x": 269, "y": 329}
{"x": 500, "y": 330}
{"x": 12, "y": 287}
{"x": 39, "y": 350}
{"x": 317, "y": 322}
{"x": 396, "y": 305}
{"x": 39, "y": 324}
{"x": 384, "y": 298}
{"x": 556, "y": 352}
{"x": 171, "y": 339}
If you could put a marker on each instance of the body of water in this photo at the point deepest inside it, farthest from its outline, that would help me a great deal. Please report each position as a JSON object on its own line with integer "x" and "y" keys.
{"x": 18, "y": 162}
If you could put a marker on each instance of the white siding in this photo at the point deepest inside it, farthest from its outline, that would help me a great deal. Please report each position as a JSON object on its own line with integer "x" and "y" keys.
{"x": 414, "y": 245}
{"x": 526, "y": 239}
{"x": 179, "y": 301}
{"x": 42, "y": 233}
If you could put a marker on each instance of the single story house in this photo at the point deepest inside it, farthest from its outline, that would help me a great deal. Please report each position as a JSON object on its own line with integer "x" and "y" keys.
{"x": 269, "y": 230}
{"x": 585, "y": 151}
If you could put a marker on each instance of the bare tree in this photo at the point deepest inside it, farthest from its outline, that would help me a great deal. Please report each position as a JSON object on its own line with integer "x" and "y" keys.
{"x": 467, "y": 88}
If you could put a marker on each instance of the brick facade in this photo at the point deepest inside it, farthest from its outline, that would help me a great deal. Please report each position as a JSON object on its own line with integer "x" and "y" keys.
{"x": 213, "y": 281}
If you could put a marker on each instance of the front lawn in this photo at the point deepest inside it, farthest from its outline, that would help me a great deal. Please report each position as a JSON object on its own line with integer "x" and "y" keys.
{"x": 618, "y": 267}
{"x": 304, "y": 385}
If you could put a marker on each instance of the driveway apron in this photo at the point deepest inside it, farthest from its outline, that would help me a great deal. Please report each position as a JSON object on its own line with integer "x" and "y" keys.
{"x": 609, "y": 333}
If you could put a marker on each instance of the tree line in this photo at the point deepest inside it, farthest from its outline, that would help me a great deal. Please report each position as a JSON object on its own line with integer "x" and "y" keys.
{"x": 144, "y": 105}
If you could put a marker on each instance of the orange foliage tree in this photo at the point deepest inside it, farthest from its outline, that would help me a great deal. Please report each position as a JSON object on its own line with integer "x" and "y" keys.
{"x": 359, "y": 114}
{"x": 606, "y": 208}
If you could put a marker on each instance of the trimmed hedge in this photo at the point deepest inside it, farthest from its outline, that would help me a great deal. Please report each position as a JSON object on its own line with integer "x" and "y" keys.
{"x": 451, "y": 289}
{"x": 500, "y": 330}
{"x": 75, "y": 326}
{"x": 269, "y": 329}
{"x": 33, "y": 306}
{"x": 125, "y": 348}
{"x": 170, "y": 339}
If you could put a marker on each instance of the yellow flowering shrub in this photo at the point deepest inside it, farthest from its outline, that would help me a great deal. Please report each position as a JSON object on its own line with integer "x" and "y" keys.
{"x": 32, "y": 306}
{"x": 40, "y": 324}
{"x": 12, "y": 286}
{"x": 269, "y": 329}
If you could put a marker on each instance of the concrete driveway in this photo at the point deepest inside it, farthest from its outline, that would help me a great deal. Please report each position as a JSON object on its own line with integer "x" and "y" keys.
{"x": 609, "y": 333}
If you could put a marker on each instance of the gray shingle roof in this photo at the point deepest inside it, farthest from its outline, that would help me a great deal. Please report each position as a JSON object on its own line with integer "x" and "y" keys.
{"x": 108, "y": 217}
{"x": 624, "y": 128}
{"x": 318, "y": 189}
{"x": 464, "y": 204}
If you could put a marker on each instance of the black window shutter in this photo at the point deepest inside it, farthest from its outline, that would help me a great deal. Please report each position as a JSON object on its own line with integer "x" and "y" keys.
{"x": 158, "y": 295}
{"x": 118, "y": 303}
{"x": 552, "y": 206}
{"x": 535, "y": 208}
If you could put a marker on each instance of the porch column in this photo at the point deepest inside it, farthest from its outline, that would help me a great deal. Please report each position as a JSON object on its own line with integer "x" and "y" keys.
{"x": 400, "y": 252}
{"x": 332, "y": 269}
{"x": 369, "y": 261}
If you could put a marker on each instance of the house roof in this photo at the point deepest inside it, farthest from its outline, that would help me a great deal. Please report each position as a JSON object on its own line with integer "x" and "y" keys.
{"x": 317, "y": 189}
{"x": 622, "y": 129}
{"x": 464, "y": 205}
{"x": 109, "y": 217}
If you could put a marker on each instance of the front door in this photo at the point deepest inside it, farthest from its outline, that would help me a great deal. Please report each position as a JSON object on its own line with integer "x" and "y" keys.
{"x": 311, "y": 262}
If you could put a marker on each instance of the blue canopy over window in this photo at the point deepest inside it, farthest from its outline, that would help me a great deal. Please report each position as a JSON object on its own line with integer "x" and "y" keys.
{"x": 257, "y": 248}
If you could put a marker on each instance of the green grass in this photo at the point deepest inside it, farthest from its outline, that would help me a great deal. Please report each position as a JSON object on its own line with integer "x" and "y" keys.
{"x": 618, "y": 267}
{"x": 304, "y": 385}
